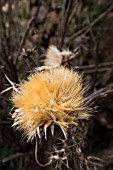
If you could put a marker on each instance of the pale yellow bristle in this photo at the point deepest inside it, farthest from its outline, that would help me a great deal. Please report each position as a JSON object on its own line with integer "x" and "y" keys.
{"x": 49, "y": 98}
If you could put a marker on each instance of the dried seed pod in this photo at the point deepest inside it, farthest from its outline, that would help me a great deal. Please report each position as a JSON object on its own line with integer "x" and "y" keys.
{"x": 49, "y": 98}
{"x": 55, "y": 57}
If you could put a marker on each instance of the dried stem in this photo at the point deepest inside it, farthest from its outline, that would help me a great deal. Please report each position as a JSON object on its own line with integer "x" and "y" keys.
{"x": 86, "y": 29}
{"x": 24, "y": 38}
{"x": 65, "y": 19}
{"x": 14, "y": 156}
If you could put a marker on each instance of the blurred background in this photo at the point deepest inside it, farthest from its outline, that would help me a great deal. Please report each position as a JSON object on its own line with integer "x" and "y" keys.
{"x": 27, "y": 28}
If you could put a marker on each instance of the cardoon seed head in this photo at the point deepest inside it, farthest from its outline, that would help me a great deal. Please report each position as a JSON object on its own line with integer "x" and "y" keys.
{"x": 48, "y": 98}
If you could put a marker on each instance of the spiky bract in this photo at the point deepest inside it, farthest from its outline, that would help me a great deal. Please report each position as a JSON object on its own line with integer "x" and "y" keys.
{"x": 49, "y": 98}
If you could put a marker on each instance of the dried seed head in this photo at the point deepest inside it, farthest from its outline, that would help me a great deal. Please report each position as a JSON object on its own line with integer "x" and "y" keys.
{"x": 52, "y": 97}
{"x": 55, "y": 57}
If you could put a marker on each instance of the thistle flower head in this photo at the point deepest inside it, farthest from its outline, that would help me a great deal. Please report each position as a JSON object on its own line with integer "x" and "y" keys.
{"x": 53, "y": 97}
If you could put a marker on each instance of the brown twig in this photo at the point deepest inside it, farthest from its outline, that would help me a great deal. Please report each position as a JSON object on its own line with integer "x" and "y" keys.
{"x": 16, "y": 20}
{"x": 93, "y": 66}
{"x": 101, "y": 93}
{"x": 2, "y": 24}
{"x": 32, "y": 20}
{"x": 14, "y": 156}
{"x": 96, "y": 70}
{"x": 76, "y": 5}
{"x": 86, "y": 29}
{"x": 24, "y": 38}
{"x": 65, "y": 19}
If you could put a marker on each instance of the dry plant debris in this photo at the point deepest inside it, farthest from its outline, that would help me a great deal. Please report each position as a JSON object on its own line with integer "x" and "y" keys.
{"x": 51, "y": 96}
